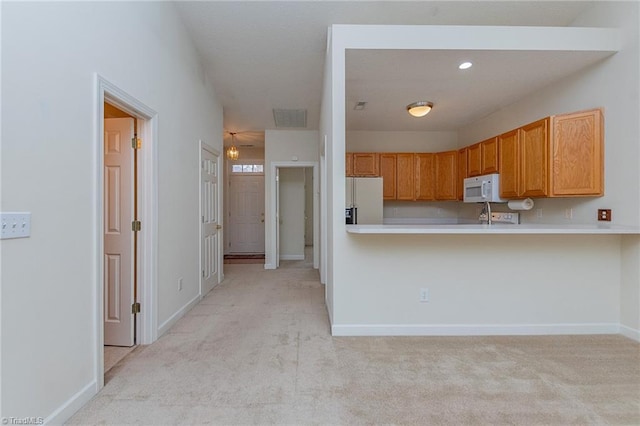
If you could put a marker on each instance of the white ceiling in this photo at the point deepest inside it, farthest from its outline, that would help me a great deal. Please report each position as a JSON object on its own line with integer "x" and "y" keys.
{"x": 263, "y": 55}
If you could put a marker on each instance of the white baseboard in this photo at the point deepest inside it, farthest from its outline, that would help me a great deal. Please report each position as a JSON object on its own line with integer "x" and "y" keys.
{"x": 629, "y": 332}
{"x": 292, "y": 257}
{"x": 165, "y": 326}
{"x": 471, "y": 329}
{"x": 269, "y": 266}
{"x": 73, "y": 404}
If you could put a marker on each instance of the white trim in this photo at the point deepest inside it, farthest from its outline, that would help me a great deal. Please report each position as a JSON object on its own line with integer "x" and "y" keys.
{"x": 72, "y": 405}
{"x": 147, "y": 213}
{"x": 271, "y": 251}
{"x": 292, "y": 257}
{"x": 472, "y": 329}
{"x": 629, "y": 332}
{"x": 165, "y": 326}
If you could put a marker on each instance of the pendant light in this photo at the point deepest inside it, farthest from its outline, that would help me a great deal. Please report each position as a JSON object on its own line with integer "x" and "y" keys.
{"x": 232, "y": 151}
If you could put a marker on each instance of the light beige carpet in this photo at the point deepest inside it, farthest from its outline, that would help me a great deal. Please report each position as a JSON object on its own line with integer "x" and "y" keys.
{"x": 115, "y": 354}
{"x": 257, "y": 350}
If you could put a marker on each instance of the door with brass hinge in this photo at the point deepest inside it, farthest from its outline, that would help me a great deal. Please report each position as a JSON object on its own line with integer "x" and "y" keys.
{"x": 119, "y": 229}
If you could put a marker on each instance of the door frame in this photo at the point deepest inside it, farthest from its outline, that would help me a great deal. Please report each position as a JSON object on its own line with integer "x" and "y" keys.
{"x": 219, "y": 164}
{"x": 271, "y": 247}
{"x": 147, "y": 250}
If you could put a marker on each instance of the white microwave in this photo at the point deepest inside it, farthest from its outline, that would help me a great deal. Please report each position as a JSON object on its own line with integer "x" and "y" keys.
{"x": 479, "y": 189}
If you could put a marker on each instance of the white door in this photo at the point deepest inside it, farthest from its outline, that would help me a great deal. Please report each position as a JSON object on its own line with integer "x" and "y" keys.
{"x": 118, "y": 235}
{"x": 210, "y": 253}
{"x": 277, "y": 218}
{"x": 246, "y": 214}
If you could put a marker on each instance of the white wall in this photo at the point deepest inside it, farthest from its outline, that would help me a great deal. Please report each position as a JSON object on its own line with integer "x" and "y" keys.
{"x": 371, "y": 141}
{"x": 292, "y": 205}
{"x": 50, "y": 54}
{"x": 284, "y": 146}
{"x": 479, "y": 284}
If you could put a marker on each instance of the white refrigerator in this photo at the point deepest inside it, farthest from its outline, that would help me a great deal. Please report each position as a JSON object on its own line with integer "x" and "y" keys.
{"x": 365, "y": 195}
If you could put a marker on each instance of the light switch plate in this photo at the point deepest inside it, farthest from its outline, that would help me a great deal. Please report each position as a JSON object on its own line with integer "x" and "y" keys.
{"x": 15, "y": 225}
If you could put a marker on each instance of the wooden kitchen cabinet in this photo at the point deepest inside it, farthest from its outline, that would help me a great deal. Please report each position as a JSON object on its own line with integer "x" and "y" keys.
{"x": 388, "y": 172}
{"x": 365, "y": 164}
{"x": 446, "y": 175}
{"x": 474, "y": 160}
{"x": 489, "y": 156}
{"x": 534, "y": 159}
{"x": 462, "y": 171}
{"x": 577, "y": 154}
{"x": 509, "y": 164}
{"x": 349, "y": 164}
{"x": 424, "y": 177}
{"x": 524, "y": 153}
{"x": 483, "y": 158}
{"x": 405, "y": 177}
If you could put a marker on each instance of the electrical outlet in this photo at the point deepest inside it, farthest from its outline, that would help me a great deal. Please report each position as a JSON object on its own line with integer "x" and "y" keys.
{"x": 539, "y": 213}
{"x": 568, "y": 213}
{"x": 180, "y": 284}
{"x": 424, "y": 295}
{"x": 604, "y": 214}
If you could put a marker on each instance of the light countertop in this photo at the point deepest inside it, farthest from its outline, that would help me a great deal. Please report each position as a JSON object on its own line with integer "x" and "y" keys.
{"x": 491, "y": 229}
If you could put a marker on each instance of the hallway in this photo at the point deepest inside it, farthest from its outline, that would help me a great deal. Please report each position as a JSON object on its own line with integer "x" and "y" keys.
{"x": 257, "y": 350}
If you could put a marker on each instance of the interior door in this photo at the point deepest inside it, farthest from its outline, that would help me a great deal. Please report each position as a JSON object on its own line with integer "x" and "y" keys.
{"x": 246, "y": 214}
{"x": 277, "y": 218}
{"x": 118, "y": 235}
{"x": 210, "y": 261}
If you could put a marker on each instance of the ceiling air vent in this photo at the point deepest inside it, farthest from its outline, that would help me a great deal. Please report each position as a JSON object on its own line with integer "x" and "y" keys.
{"x": 290, "y": 117}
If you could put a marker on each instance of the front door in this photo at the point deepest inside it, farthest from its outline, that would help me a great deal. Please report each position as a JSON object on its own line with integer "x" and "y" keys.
{"x": 210, "y": 261}
{"x": 118, "y": 235}
{"x": 246, "y": 214}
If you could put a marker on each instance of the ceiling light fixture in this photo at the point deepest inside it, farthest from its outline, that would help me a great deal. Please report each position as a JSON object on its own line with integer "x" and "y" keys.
{"x": 465, "y": 65}
{"x": 419, "y": 109}
{"x": 232, "y": 151}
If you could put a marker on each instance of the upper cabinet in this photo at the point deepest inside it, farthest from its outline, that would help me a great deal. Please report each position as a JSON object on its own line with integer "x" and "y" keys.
{"x": 424, "y": 177}
{"x": 524, "y": 154}
{"x": 388, "y": 172}
{"x": 462, "y": 171}
{"x": 578, "y": 154}
{"x": 446, "y": 175}
{"x": 365, "y": 164}
{"x": 482, "y": 158}
{"x": 349, "y": 164}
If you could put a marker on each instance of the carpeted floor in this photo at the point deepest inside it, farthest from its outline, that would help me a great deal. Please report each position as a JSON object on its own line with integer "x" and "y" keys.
{"x": 257, "y": 350}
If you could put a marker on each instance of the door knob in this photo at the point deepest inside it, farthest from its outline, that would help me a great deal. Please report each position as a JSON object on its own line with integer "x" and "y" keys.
{"x": 218, "y": 226}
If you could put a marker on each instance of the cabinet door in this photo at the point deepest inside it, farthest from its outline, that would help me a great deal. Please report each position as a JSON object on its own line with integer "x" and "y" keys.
{"x": 509, "y": 164}
{"x": 424, "y": 177}
{"x": 405, "y": 182}
{"x": 349, "y": 164}
{"x": 489, "y": 153}
{"x": 365, "y": 164}
{"x": 578, "y": 154}
{"x": 462, "y": 171}
{"x": 474, "y": 160}
{"x": 388, "y": 173}
{"x": 446, "y": 173}
{"x": 534, "y": 159}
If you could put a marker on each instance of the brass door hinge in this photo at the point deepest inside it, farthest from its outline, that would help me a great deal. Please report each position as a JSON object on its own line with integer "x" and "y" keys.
{"x": 135, "y": 308}
{"x": 136, "y": 225}
{"x": 136, "y": 143}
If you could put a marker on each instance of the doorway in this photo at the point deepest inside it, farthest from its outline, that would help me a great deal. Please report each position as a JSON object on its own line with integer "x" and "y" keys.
{"x": 126, "y": 225}
{"x": 293, "y": 213}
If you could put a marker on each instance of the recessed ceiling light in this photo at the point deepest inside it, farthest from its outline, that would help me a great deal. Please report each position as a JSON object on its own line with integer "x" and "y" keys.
{"x": 465, "y": 65}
